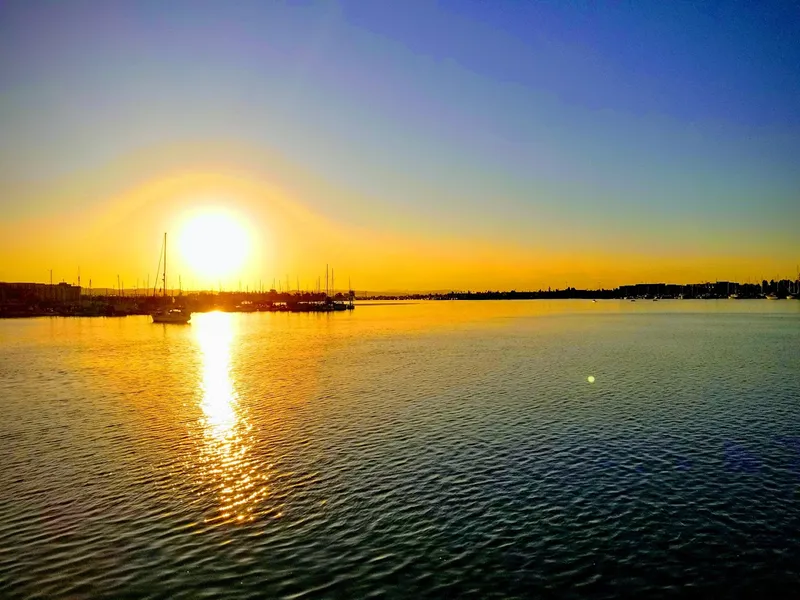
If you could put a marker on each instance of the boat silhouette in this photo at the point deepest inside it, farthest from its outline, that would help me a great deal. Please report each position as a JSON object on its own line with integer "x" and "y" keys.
{"x": 166, "y": 315}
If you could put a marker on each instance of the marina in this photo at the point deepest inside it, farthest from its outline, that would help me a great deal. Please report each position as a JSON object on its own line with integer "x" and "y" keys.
{"x": 39, "y": 300}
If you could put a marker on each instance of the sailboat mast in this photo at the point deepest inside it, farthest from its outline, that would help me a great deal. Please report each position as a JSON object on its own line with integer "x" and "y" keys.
{"x": 165, "y": 265}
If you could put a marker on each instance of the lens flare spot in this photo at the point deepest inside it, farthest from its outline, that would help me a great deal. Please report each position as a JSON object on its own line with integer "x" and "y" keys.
{"x": 590, "y": 379}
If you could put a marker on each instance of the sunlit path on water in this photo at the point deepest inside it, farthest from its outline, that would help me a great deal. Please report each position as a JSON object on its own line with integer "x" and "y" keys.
{"x": 226, "y": 447}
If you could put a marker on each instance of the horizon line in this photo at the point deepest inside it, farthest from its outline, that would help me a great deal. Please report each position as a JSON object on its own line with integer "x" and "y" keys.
{"x": 395, "y": 291}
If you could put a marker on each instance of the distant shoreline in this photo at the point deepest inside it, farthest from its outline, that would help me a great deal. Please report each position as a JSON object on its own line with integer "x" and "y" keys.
{"x": 20, "y": 300}
{"x": 365, "y": 302}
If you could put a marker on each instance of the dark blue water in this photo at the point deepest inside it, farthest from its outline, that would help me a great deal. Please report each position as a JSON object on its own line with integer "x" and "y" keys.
{"x": 428, "y": 450}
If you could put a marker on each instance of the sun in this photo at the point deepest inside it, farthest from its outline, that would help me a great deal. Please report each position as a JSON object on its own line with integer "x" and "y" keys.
{"x": 214, "y": 244}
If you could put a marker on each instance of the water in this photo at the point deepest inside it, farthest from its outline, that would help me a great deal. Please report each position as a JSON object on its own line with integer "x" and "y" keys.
{"x": 443, "y": 449}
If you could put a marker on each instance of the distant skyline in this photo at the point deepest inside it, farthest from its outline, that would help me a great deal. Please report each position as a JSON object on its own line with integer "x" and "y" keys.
{"x": 411, "y": 145}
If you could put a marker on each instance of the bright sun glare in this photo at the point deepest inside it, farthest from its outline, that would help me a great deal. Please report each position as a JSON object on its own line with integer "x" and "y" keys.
{"x": 214, "y": 244}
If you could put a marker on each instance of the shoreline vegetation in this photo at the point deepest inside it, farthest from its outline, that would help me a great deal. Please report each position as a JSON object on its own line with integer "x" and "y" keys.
{"x": 38, "y": 300}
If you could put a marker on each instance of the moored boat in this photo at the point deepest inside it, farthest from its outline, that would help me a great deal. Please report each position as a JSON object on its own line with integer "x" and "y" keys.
{"x": 167, "y": 315}
{"x": 175, "y": 315}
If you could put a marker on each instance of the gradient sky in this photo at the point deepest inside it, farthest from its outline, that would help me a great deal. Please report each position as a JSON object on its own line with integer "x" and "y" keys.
{"x": 413, "y": 145}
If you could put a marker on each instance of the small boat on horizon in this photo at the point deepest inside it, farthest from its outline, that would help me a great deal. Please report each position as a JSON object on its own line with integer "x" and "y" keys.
{"x": 246, "y": 306}
{"x": 165, "y": 314}
{"x": 173, "y": 315}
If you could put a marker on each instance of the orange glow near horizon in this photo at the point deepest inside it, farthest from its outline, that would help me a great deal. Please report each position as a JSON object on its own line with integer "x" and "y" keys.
{"x": 238, "y": 217}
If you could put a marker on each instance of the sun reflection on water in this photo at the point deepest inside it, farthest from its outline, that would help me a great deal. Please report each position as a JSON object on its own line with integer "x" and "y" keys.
{"x": 219, "y": 402}
{"x": 225, "y": 462}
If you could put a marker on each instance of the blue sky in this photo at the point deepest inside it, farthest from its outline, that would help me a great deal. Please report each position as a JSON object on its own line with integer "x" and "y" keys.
{"x": 620, "y": 123}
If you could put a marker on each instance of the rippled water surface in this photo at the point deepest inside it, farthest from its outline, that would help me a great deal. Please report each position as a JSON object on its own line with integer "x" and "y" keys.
{"x": 440, "y": 449}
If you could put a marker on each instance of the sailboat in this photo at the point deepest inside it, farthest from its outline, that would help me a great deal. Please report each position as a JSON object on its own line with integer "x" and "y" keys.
{"x": 164, "y": 314}
{"x": 794, "y": 290}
